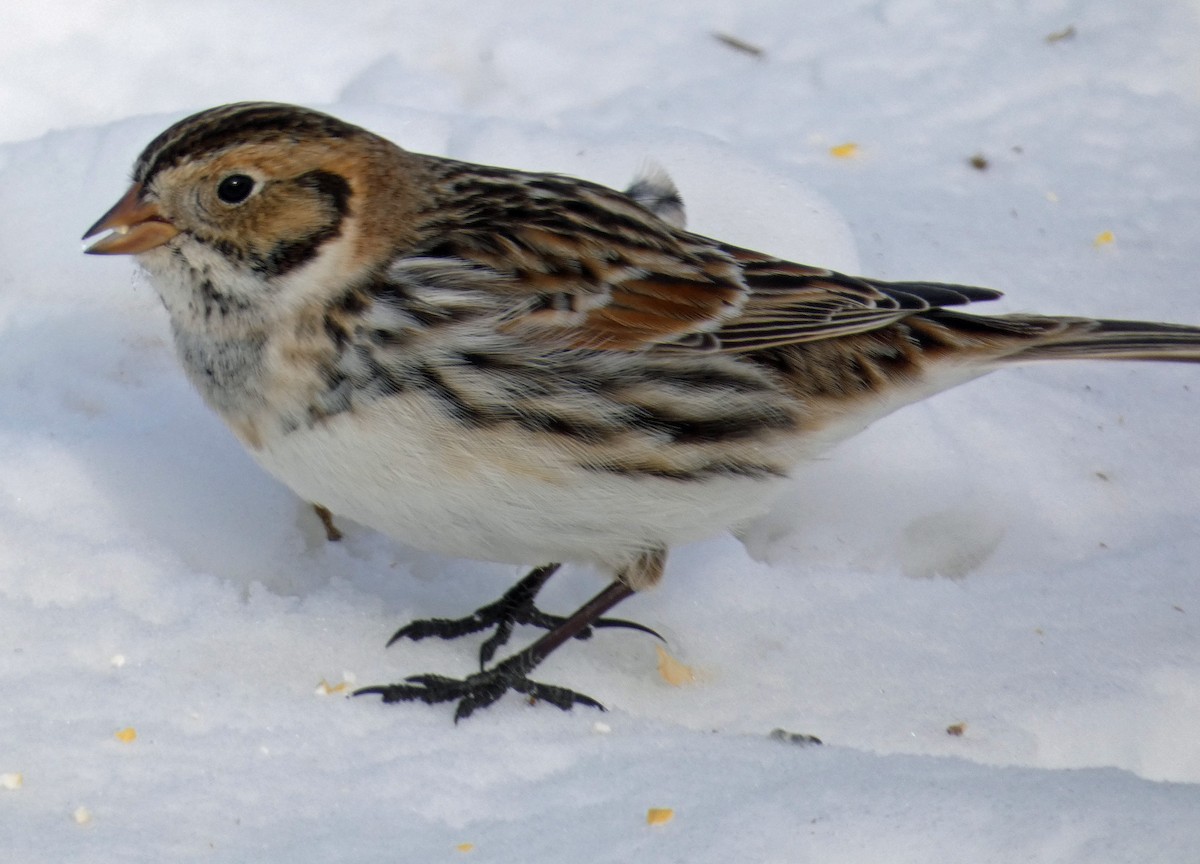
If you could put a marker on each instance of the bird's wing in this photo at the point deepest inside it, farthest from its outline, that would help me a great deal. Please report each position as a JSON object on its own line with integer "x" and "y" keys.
{"x": 584, "y": 266}
{"x": 789, "y": 303}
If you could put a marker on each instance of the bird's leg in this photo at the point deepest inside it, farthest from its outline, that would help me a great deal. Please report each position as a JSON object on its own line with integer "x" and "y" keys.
{"x": 515, "y": 607}
{"x": 485, "y": 687}
{"x": 332, "y": 534}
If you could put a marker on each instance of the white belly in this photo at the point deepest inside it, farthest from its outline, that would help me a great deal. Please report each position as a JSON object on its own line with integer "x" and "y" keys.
{"x": 499, "y": 494}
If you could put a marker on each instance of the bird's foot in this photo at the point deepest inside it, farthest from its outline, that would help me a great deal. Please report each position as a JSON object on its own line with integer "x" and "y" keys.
{"x": 485, "y": 687}
{"x": 515, "y": 607}
{"x": 481, "y": 689}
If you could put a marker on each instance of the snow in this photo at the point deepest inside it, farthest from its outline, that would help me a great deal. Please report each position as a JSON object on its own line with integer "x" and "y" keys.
{"x": 1016, "y": 556}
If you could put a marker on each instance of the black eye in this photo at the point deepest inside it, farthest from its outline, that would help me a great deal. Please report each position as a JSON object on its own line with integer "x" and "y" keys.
{"x": 235, "y": 188}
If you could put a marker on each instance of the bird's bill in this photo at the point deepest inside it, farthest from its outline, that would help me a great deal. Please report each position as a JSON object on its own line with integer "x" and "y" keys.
{"x": 133, "y": 226}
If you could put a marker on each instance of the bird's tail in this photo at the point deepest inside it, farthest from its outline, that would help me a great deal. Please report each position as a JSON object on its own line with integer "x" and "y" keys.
{"x": 1027, "y": 338}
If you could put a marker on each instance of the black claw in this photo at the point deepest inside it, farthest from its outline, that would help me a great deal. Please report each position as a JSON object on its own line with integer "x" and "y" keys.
{"x": 629, "y": 625}
{"x": 443, "y": 628}
{"x": 515, "y": 607}
{"x": 558, "y": 696}
{"x": 488, "y": 649}
{"x": 398, "y": 693}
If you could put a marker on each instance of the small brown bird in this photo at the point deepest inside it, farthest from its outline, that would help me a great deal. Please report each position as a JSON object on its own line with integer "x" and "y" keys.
{"x": 525, "y": 367}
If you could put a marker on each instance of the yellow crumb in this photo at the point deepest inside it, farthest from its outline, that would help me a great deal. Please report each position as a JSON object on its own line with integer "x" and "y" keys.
{"x": 672, "y": 671}
{"x": 327, "y": 689}
{"x": 956, "y": 729}
{"x": 127, "y": 735}
{"x": 465, "y": 847}
{"x": 13, "y": 780}
{"x": 844, "y": 151}
{"x": 1067, "y": 32}
{"x": 1103, "y": 238}
{"x": 659, "y": 815}
{"x": 82, "y": 815}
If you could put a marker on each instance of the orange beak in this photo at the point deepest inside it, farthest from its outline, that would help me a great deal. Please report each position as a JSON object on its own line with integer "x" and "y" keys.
{"x": 133, "y": 226}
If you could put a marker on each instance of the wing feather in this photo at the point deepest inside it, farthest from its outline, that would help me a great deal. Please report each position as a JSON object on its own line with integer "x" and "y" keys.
{"x": 588, "y": 267}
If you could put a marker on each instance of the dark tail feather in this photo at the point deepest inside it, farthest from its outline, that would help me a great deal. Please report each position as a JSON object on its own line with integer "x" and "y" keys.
{"x": 1118, "y": 340}
{"x": 1022, "y": 338}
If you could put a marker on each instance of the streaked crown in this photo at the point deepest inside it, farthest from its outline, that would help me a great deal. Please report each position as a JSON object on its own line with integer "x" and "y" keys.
{"x": 225, "y": 126}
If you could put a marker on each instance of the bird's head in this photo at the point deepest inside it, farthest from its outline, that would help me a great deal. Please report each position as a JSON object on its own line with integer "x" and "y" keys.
{"x": 253, "y": 193}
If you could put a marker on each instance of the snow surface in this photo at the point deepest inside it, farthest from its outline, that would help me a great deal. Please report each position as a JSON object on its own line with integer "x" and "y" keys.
{"x": 1017, "y": 556}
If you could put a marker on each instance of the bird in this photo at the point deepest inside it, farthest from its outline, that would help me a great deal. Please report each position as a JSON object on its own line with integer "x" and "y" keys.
{"x": 526, "y": 367}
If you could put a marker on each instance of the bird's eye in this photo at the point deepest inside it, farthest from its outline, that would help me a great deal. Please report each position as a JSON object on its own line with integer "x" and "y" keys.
{"x": 235, "y": 188}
